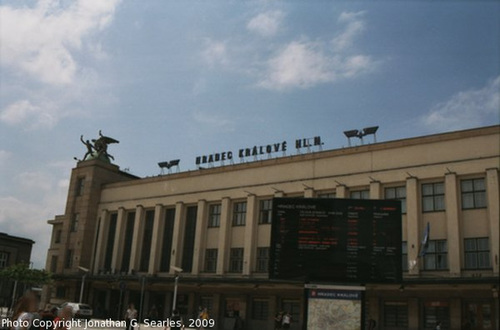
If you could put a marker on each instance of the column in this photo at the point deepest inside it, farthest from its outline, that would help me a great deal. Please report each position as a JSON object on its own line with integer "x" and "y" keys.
{"x": 376, "y": 190}
{"x": 413, "y": 314}
{"x": 200, "y": 236}
{"x": 493, "y": 193}
{"x": 224, "y": 231}
{"x": 120, "y": 234}
{"x": 452, "y": 223}
{"x": 341, "y": 191}
{"x": 101, "y": 240}
{"x": 309, "y": 193}
{"x": 250, "y": 246}
{"x": 154, "y": 259}
{"x": 135, "y": 253}
{"x": 177, "y": 236}
{"x": 412, "y": 217}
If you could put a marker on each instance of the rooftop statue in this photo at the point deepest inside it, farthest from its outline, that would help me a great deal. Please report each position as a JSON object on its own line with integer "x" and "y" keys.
{"x": 98, "y": 148}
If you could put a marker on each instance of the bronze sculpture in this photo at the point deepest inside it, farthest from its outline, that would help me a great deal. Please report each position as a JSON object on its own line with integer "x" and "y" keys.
{"x": 99, "y": 148}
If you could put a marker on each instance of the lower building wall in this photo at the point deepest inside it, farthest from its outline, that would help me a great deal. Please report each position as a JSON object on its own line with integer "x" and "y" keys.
{"x": 457, "y": 306}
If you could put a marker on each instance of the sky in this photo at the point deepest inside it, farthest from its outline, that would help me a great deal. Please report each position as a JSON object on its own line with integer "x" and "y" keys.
{"x": 178, "y": 79}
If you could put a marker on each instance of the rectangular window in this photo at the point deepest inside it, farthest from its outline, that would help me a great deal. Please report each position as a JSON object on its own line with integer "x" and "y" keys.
{"x": 326, "y": 195}
{"x": 147, "y": 237}
{"x": 53, "y": 264}
{"x": 58, "y": 236}
{"x": 262, "y": 259}
{"x": 236, "y": 260}
{"x": 436, "y": 257}
{"x": 74, "y": 221}
{"x": 80, "y": 186}
{"x": 60, "y": 292}
{"x": 110, "y": 241}
{"x": 127, "y": 244}
{"x": 435, "y": 311}
{"x": 265, "y": 212}
{"x": 239, "y": 213}
{"x": 208, "y": 303}
{"x": 189, "y": 235}
{"x": 360, "y": 194}
{"x": 210, "y": 260}
{"x": 69, "y": 259}
{"x": 397, "y": 193}
{"x": 214, "y": 215}
{"x": 477, "y": 253}
{"x": 260, "y": 309}
{"x": 473, "y": 194}
{"x": 168, "y": 234}
{"x": 404, "y": 256}
{"x": 396, "y": 314}
{"x": 4, "y": 259}
{"x": 433, "y": 197}
{"x": 293, "y": 307}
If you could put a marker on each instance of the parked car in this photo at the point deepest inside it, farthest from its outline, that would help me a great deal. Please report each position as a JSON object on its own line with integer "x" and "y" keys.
{"x": 82, "y": 311}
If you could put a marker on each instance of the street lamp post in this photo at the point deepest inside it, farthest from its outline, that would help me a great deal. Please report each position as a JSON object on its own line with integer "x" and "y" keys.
{"x": 86, "y": 271}
{"x": 177, "y": 272}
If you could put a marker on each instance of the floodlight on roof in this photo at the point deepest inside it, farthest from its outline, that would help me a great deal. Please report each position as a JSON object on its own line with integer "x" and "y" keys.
{"x": 371, "y": 130}
{"x": 169, "y": 165}
{"x": 351, "y": 133}
{"x": 361, "y": 133}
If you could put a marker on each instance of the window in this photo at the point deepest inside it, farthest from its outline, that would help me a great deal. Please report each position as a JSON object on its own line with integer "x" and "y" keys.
{"x": 58, "y": 236}
{"x": 265, "y": 213}
{"x": 53, "y": 264}
{"x": 214, "y": 215}
{"x": 433, "y": 197}
{"x": 262, "y": 259}
{"x": 147, "y": 238}
{"x": 127, "y": 245}
{"x": 239, "y": 213}
{"x": 189, "y": 236}
{"x": 473, "y": 194}
{"x": 60, "y": 292}
{"x": 4, "y": 259}
{"x": 326, "y": 195}
{"x": 477, "y": 253}
{"x": 236, "y": 260}
{"x": 397, "y": 193}
{"x": 69, "y": 259}
{"x": 395, "y": 314}
{"x": 260, "y": 309}
{"x": 210, "y": 260}
{"x": 74, "y": 221}
{"x": 436, "y": 257}
{"x": 360, "y": 194}
{"x": 436, "y": 311}
{"x": 207, "y": 302}
{"x": 168, "y": 233}
{"x": 293, "y": 307}
{"x": 404, "y": 256}
{"x": 110, "y": 240}
{"x": 80, "y": 186}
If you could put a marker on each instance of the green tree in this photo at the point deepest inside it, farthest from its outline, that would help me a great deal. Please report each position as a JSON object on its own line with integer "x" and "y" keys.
{"x": 22, "y": 273}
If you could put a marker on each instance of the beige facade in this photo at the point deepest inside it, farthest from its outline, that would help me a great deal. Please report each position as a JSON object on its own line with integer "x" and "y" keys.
{"x": 213, "y": 224}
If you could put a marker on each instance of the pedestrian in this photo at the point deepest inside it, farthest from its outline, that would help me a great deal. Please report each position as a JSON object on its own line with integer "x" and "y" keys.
{"x": 203, "y": 316}
{"x": 48, "y": 316}
{"x": 287, "y": 320}
{"x": 130, "y": 314}
{"x": 278, "y": 319}
{"x": 65, "y": 316}
{"x": 25, "y": 310}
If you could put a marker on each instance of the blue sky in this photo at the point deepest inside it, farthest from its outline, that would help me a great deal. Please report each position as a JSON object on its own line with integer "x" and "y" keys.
{"x": 176, "y": 79}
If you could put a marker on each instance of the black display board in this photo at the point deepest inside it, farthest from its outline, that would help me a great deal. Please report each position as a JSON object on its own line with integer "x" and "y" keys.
{"x": 336, "y": 240}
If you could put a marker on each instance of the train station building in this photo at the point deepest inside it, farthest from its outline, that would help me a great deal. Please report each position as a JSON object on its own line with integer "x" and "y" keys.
{"x": 215, "y": 224}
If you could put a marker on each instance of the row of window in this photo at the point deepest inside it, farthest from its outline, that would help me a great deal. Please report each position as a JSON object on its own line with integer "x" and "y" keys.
{"x": 4, "y": 259}
{"x": 476, "y": 254}
{"x": 236, "y": 260}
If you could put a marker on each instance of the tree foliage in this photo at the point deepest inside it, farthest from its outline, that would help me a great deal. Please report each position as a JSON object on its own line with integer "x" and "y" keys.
{"x": 24, "y": 274}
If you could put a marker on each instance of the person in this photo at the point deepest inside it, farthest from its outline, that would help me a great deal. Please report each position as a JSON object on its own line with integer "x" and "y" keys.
{"x": 438, "y": 325}
{"x": 25, "y": 309}
{"x": 238, "y": 322}
{"x": 372, "y": 324}
{"x": 177, "y": 319}
{"x": 49, "y": 314}
{"x": 203, "y": 315}
{"x": 65, "y": 314}
{"x": 287, "y": 320}
{"x": 278, "y": 319}
{"x": 130, "y": 314}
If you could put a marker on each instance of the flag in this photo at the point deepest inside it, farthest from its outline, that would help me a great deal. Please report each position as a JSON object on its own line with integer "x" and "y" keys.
{"x": 425, "y": 241}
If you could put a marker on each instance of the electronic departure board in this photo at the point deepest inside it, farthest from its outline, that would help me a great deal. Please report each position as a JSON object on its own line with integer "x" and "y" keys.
{"x": 336, "y": 240}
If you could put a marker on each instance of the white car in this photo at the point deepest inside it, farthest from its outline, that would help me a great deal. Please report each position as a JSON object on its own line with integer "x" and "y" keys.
{"x": 79, "y": 310}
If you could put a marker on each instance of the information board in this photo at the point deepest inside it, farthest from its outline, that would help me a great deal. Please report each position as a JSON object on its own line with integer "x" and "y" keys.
{"x": 340, "y": 240}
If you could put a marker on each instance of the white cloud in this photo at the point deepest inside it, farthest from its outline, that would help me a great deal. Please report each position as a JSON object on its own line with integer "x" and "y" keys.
{"x": 4, "y": 155}
{"x": 40, "y": 41}
{"x": 212, "y": 120}
{"x": 471, "y": 108}
{"x": 354, "y": 26}
{"x": 215, "y": 52}
{"x": 266, "y": 24}
{"x": 25, "y": 112}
